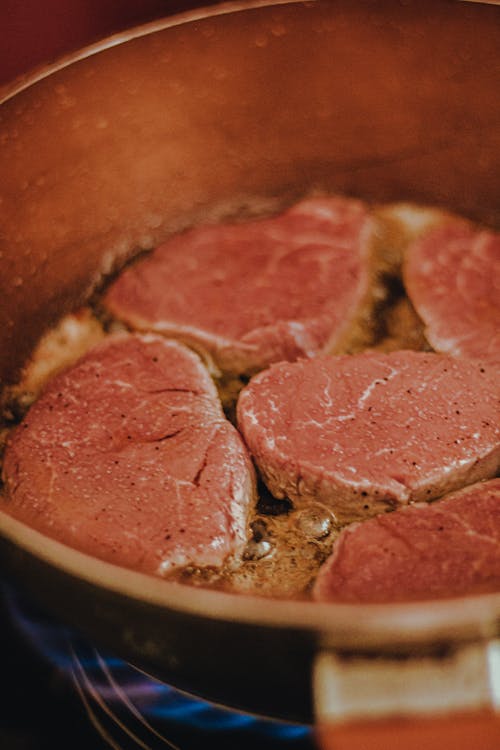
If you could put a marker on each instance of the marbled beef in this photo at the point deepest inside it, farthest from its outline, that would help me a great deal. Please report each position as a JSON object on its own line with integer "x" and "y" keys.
{"x": 452, "y": 276}
{"x": 450, "y": 547}
{"x": 369, "y": 432}
{"x": 248, "y": 294}
{"x": 128, "y": 456}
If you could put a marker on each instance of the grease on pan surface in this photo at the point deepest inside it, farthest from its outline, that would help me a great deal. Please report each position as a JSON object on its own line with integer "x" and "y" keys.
{"x": 284, "y": 543}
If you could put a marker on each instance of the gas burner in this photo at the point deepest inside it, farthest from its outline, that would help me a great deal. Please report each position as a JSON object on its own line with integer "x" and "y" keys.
{"x": 131, "y": 710}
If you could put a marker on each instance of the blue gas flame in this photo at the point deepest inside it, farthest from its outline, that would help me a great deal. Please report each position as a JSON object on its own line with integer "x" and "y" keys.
{"x": 115, "y": 686}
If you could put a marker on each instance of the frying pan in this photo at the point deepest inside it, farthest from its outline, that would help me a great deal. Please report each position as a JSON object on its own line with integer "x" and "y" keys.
{"x": 209, "y": 114}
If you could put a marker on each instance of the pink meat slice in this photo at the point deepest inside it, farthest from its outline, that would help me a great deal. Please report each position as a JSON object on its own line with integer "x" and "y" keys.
{"x": 128, "y": 456}
{"x": 452, "y": 276}
{"x": 369, "y": 432}
{"x": 448, "y": 548}
{"x": 253, "y": 293}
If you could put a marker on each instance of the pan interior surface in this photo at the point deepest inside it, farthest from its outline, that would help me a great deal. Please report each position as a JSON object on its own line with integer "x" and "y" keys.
{"x": 232, "y": 113}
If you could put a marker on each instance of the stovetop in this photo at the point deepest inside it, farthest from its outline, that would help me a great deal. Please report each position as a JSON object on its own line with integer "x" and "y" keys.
{"x": 59, "y": 691}
{"x": 38, "y": 709}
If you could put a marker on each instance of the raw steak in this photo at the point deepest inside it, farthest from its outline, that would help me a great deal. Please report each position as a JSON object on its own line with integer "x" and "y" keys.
{"x": 448, "y": 548}
{"x": 366, "y": 433}
{"x": 253, "y": 293}
{"x": 452, "y": 276}
{"x": 127, "y": 456}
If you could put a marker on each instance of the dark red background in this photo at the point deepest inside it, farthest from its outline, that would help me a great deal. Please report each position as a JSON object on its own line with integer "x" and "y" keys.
{"x": 34, "y": 32}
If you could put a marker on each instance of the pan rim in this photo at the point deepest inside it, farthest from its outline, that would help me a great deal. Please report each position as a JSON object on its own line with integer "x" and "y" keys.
{"x": 24, "y": 81}
{"x": 10, "y": 89}
{"x": 345, "y": 626}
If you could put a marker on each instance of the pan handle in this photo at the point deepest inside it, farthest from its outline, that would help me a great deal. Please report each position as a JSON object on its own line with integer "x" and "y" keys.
{"x": 474, "y": 731}
{"x": 447, "y": 701}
